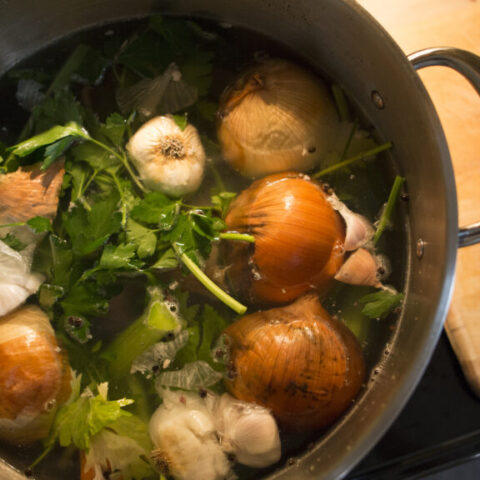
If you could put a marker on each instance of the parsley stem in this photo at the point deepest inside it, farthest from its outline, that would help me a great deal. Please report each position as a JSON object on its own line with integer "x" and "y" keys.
{"x": 388, "y": 210}
{"x": 16, "y": 224}
{"x": 208, "y": 284}
{"x": 216, "y": 176}
{"x": 122, "y": 158}
{"x": 237, "y": 236}
{"x": 42, "y": 456}
{"x": 84, "y": 203}
{"x": 341, "y": 103}
{"x": 349, "y": 140}
{"x": 122, "y": 198}
{"x": 355, "y": 158}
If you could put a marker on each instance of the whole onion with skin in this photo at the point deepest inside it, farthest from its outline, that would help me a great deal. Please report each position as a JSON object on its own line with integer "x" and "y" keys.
{"x": 276, "y": 117}
{"x": 298, "y": 240}
{"x": 34, "y": 375}
{"x": 297, "y": 361}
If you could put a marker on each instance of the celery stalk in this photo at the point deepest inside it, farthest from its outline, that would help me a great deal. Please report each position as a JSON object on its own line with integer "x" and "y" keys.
{"x": 148, "y": 329}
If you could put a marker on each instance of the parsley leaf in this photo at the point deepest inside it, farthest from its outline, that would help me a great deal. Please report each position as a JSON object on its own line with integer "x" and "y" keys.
{"x": 203, "y": 332}
{"x": 117, "y": 257}
{"x": 143, "y": 238}
{"x": 79, "y": 420}
{"x": 114, "y": 128}
{"x": 71, "y": 130}
{"x": 156, "y": 208}
{"x": 95, "y": 156}
{"x": 40, "y": 224}
{"x": 59, "y": 109}
{"x": 89, "y": 230}
{"x": 213, "y": 325}
{"x": 62, "y": 258}
{"x": 13, "y": 242}
{"x": 222, "y": 201}
{"x": 167, "y": 260}
{"x": 85, "y": 299}
{"x": 380, "y": 304}
{"x": 56, "y": 150}
{"x": 181, "y": 121}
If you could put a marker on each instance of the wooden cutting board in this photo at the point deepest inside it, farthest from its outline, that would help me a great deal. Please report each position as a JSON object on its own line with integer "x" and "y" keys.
{"x": 417, "y": 24}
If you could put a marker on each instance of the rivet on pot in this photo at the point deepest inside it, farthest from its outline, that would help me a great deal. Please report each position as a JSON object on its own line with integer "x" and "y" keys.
{"x": 420, "y": 248}
{"x": 377, "y": 100}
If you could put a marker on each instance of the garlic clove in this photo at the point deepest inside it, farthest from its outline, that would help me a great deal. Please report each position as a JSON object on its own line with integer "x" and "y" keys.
{"x": 168, "y": 159}
{"x": 248, "y": 431}
{"x": 358, "y": 229}
{"x": 360, "y": 268}
{"x": 276, "y": 117}
{"x": 183, "y": 432}
{"x": 34, "y": 375}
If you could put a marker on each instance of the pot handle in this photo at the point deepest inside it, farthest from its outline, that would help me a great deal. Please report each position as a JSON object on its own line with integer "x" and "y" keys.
{"x": 467, "y": 64}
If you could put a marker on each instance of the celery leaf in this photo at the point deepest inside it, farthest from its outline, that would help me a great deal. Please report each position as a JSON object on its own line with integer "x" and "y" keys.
{"x": 380, "y": 304}
{"x": 78, "y": 421}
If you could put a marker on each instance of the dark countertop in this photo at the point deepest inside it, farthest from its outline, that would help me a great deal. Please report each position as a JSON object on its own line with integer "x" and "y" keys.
{"x": 439, "y": 427}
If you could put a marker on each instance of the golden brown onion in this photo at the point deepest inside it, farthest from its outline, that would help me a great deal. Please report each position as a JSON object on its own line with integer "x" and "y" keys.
{"x": 298, "y": 239}
{"x": 276, "y": 117}
{"x": 34, "y": 375}
{"x": 29, "y": 192}
{"x": 297, "y": 361}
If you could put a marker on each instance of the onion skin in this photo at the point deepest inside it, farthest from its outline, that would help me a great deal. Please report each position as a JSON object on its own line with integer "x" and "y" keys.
{"x": 298, "y": 240}
{"x": 29, "y": 192}
{"x": 297, "y": 361}
{"x": 276, "y": 117}
{"x": 34, "y": 375}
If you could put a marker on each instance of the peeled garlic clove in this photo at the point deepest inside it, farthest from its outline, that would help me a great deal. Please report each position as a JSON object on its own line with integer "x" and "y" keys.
{"x": 248, "y": 431}
{"x": 276, "y": 117}
{"x": 168, "y": 159}
{"x": 297, "y": 361}
{"x": 360, "y": 268}
{"x": 358, "y": 229}
{"x": 34, "y": 375}
{"x": 298, "y": 239}
{"x": 183, "y": 432}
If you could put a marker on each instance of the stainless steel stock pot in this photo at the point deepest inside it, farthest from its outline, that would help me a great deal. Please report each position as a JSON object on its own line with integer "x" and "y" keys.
{"x": 339, "y": 38}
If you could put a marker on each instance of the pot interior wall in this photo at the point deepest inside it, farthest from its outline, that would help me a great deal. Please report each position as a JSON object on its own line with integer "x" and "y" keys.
{"x": 339, "y": 39}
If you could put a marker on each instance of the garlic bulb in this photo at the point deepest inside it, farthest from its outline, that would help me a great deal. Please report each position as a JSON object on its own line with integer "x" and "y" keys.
{"x": 363, "y": 268}
{"x": 296, "y": 361}
{"x": 34, "y": 375}
{"x": 168, "y": 159}
{"x": 276, "y": 117}
{"x": 186, "y": 446}
{"x": 246, "y": 430}
{"x": 167, "y": 93}
{"x": 298, "y": 239}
